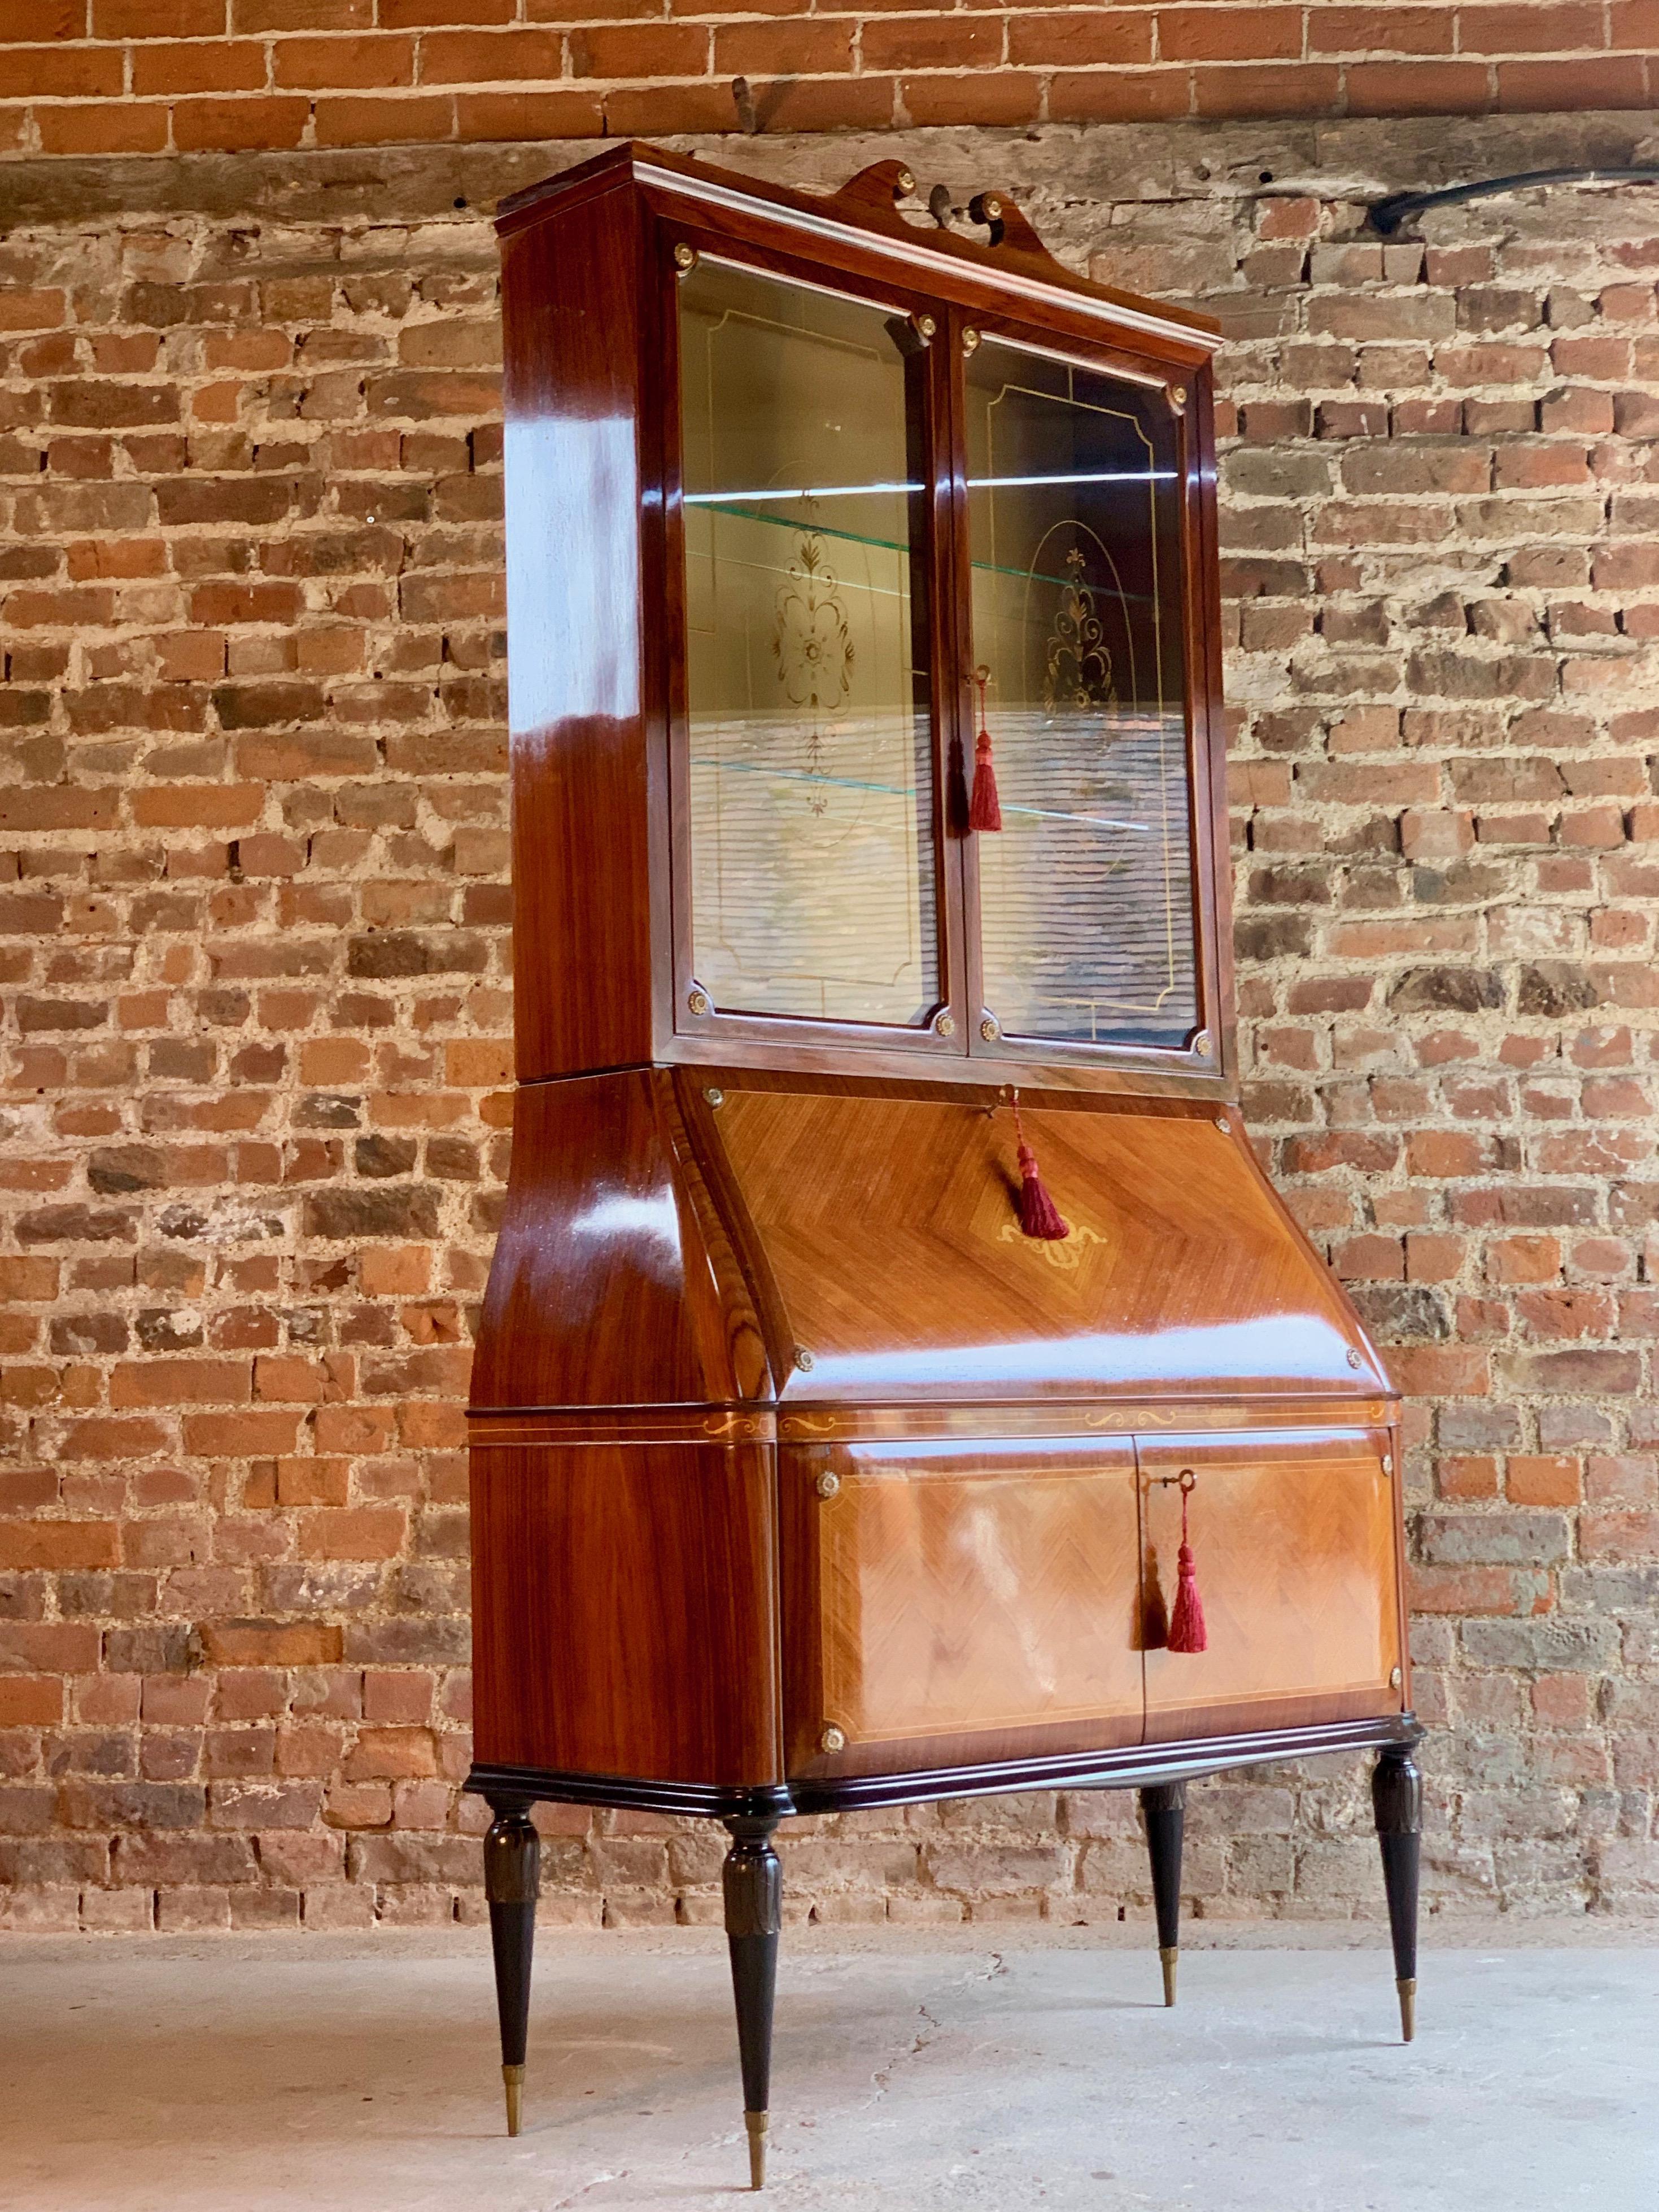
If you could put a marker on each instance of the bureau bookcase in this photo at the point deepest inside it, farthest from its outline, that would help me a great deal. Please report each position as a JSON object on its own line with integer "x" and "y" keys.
{"x": 898, "y": 1378}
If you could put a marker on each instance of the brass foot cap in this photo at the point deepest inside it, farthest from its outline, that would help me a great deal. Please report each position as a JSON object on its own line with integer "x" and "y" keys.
{"x": 512, "y": 2082}
{"x": 755, "y": 2124}
{"x": 1168, "y": 1954}
{"x": 1408, "y": 1990}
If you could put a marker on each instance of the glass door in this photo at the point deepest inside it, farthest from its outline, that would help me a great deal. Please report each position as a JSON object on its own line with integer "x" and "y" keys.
{"x": 1083, "y": 863}
{"x": 810, "y": 863}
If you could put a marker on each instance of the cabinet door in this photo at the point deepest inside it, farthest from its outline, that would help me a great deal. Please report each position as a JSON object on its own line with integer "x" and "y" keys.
{"x": 1083, "y": 520}
{"x": 810, "y": 879}
{"x": 1294, "y": 1539}
{"x": 955, "y": 1603}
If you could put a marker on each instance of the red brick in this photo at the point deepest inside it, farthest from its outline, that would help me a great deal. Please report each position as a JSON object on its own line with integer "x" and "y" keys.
{"x": 364, "y": 64}
{"x": 1393, "y": 30}
{"x": 101, "y": 127}
{"x": 563, "y": 114}
{"x": 1115, "y": 96}
{"x": 1229, "y": 34}
{"x": 31, "y": 1701}
{"x": 1074, "y": 40}
{"x": 1306, "y": 88}
{"x": 1567, "y": 86}
{"x": 988, "y": 97}
{"x": 629, "y": 52}
{"x": 950, "y": 41}
{"x": 57, "y": 1544}
{"x": 490, "y": 57}
{"x": 344, "y": 119}
{"x": 1418, "y": 88}
{"x": 1546, "y": 1479}
{"x": 157, "y": 19}
{"x": 212, "y": 125}
{"x": 224, "y": 66}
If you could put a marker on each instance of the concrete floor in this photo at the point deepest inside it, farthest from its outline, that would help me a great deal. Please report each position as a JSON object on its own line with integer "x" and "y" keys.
{"x": 999, "y": 2070}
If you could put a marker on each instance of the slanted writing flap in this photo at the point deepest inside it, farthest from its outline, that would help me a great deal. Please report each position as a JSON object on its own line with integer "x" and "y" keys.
{"x": 890, "y": 1231}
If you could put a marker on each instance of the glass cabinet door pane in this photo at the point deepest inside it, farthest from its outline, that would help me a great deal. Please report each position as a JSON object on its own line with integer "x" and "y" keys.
{"x": 811, "y": 786}
{"x": 1085, "y": 896}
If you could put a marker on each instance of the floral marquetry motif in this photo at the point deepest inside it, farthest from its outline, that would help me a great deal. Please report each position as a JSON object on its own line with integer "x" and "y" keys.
{"x": 1078, "y": 673}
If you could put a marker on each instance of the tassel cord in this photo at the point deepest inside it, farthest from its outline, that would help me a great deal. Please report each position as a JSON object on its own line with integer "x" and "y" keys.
{"x": 1039, "y": 1216}
{"x": 985, "y": 807}
{"x": 1187, "y": 1629}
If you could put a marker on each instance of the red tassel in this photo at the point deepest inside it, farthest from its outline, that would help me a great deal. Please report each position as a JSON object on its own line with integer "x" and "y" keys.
{"x": 985, "y": 807}
{"x": 1038, "y": 1214}
{"x": 1187, "y": 1629}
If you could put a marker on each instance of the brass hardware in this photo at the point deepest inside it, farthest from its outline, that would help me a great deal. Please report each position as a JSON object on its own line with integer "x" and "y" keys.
{"x": 906, "y": 183}
{"x": 990, "y": 1029}
{"x": 1395, "y": 1679}
{"x": 970, "y": 342}
{"x": 992, "y": 208}
{"x": 1177, "y": 397}
{"x": 925, "y": 328}
{"x": 685, "y": 257}
{"x": 755, "y": 2124}
{"x": 1406, "y": 1986}
{"x": 512, "y": 2084}
{"x": 714, "y": 1097}
{"x": 833, "y": 1739}
{"x": 1387, "y": 1462}
{"x": 1353, "y": 1357}
{"x": 1200, "y": 1044}
{"x": 827, "y": 1484}
{"x": 1224, "y": 1125}
{"x": 944, "y": 1024}
{"x": 1187, "y": 1481}
{"x": 1168, "y": 1955}
{"x": 696, "y": 1000}
{"x": 803, "y": 1359}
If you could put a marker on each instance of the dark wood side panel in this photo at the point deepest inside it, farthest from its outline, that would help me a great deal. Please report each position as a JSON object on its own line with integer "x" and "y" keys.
{"x": 613, "y": 1283}
{"x": 624, "y": 1617}
{"x": 582, "y": 784}
{"x": 1294, "y": 1542}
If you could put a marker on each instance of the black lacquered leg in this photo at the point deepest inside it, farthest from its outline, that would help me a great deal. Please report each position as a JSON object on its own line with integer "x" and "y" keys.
{"x": 1163, "y": 1808}
{"x": 753, "y": 1881}
{"x": 1397, "y": 1796}
{"x": 512, "y": 1861}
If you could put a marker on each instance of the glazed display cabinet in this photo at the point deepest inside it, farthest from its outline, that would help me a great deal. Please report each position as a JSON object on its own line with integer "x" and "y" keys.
{"x": 898, "y": 1378}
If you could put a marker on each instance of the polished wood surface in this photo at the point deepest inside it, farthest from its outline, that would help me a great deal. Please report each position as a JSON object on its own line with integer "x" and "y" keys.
{"x": 624, "y": 1611}
{"x": 614, "y": 1282}
{"x": 968, "y": 1422}
{"x": 972, "y": 1588}
{"x": 889, "y": 1228}
{"x": 738, "y": 1255}
{"x": 1293, "y": 1538}
{"x": 598, "y": 671}
{"x": 583, "y": 799}
{"x": 864, "y": 221}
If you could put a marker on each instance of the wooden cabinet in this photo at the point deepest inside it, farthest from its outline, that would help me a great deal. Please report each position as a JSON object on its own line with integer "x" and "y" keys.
{"x": 885, "y": 1266}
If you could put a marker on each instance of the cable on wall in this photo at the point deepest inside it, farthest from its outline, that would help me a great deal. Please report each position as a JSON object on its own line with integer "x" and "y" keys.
{"x": 1388, "y": 215}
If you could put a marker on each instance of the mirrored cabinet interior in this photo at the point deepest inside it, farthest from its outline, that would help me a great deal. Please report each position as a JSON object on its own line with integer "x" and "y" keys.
{"x": 898, "y": 1378}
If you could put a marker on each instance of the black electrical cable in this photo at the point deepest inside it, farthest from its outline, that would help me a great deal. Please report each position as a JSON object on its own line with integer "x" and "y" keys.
{"x": 1387, "y": 214}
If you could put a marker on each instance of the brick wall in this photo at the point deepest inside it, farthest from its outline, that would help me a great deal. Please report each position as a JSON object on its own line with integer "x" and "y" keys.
{"x": 142, "y": 77}
{"x": 253, "y": 960}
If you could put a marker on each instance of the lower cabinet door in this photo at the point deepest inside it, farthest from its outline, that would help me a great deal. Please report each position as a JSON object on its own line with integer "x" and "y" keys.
{"x": 1296, "y": 1557}
{"x": 958, "y": 1603}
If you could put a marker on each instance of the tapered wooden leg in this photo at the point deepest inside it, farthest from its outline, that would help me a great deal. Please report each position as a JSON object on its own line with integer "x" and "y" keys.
{"x": 511, "y": 1867}
{"x": 1163, "y": 1808}
{"x": 753, "y": 1883}
{"x": 1397, "y": 1796}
